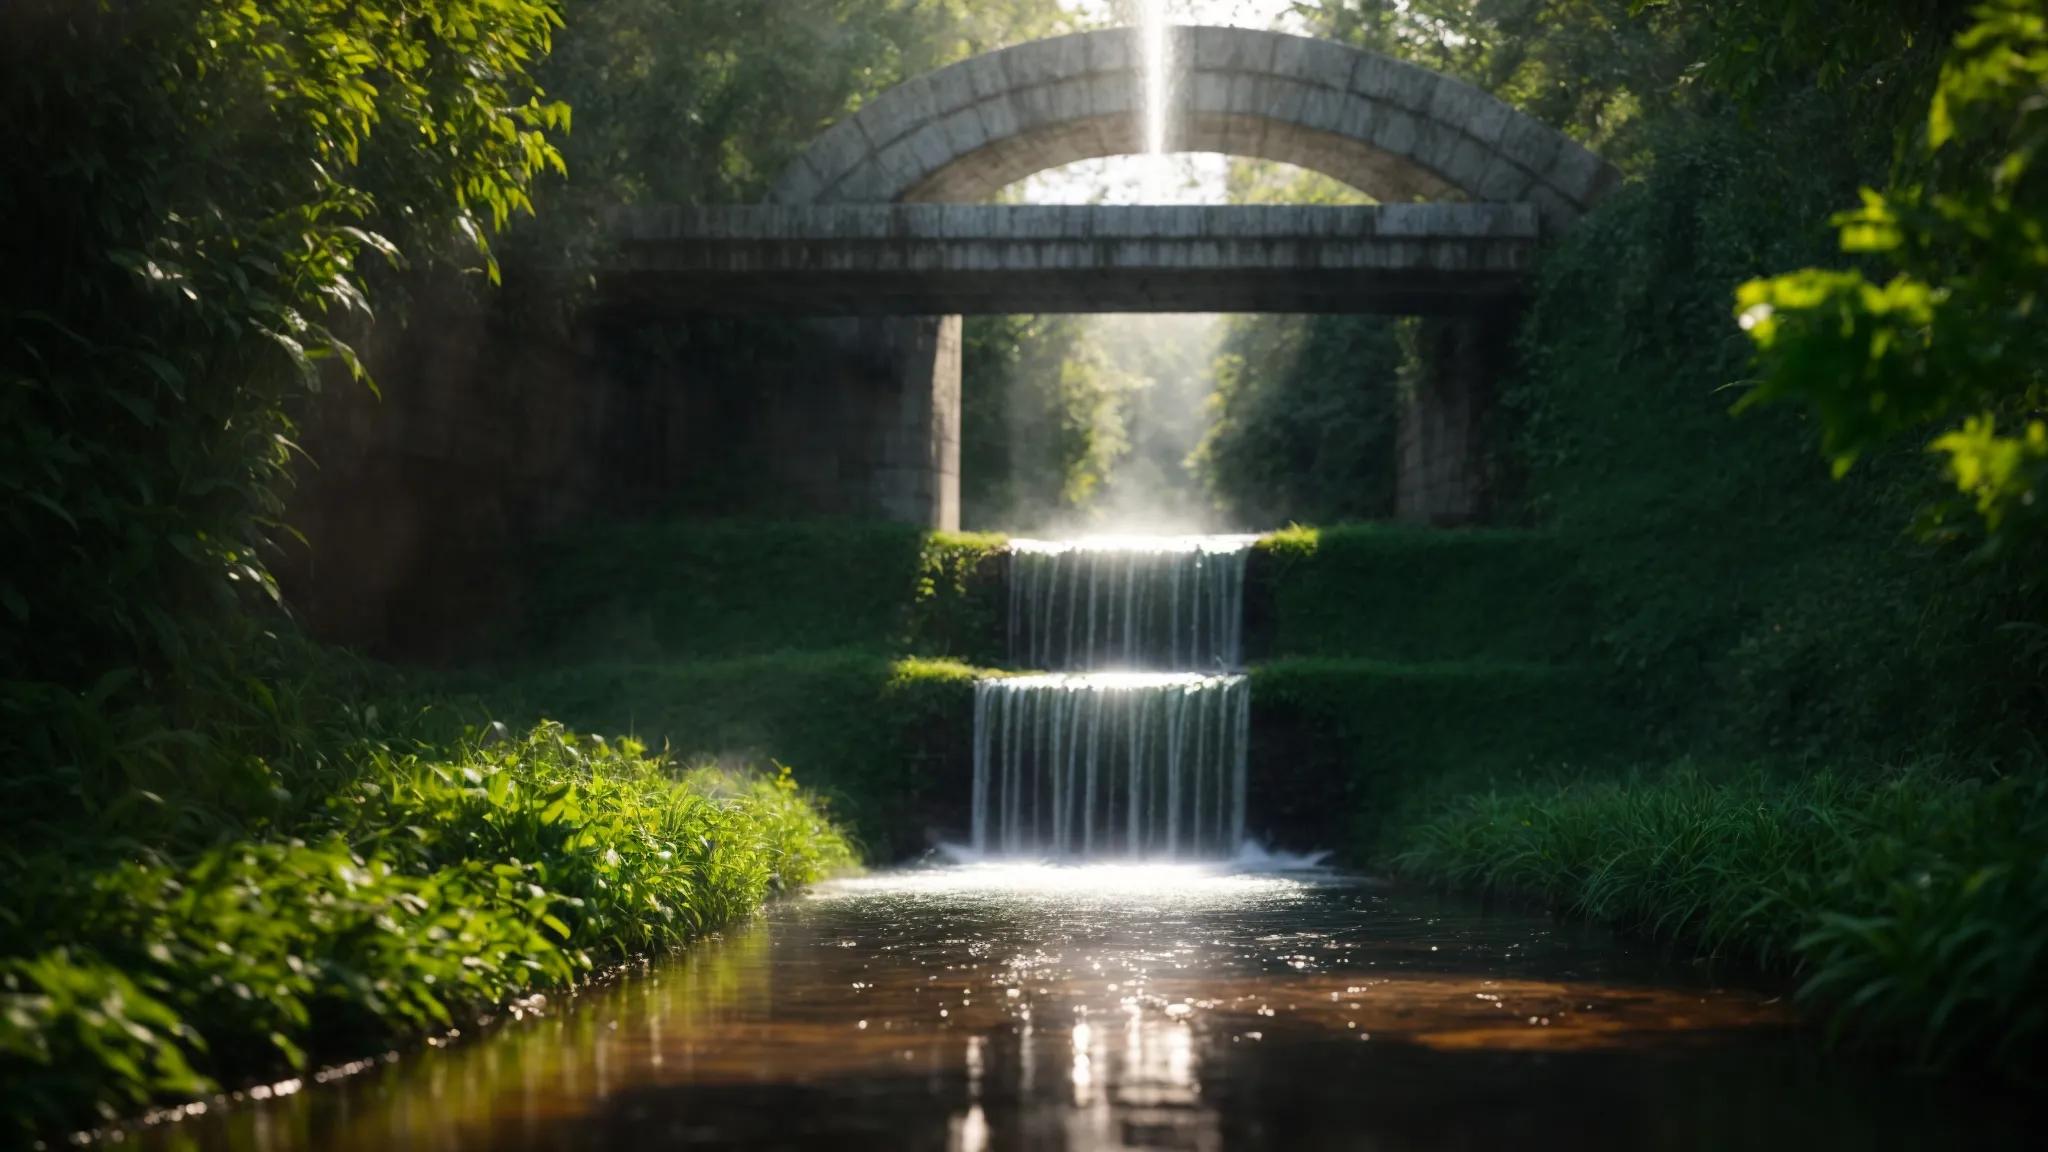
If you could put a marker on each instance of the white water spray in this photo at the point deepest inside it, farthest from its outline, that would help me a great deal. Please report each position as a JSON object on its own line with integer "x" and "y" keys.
{"x": 1152, "y": 46}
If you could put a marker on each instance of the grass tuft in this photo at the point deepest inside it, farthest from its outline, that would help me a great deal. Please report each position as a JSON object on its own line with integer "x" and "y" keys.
{"x": 1914, "y": 906}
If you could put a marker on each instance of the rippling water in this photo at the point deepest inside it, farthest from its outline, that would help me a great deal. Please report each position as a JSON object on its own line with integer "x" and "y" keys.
{"x": 994, "y": 1007}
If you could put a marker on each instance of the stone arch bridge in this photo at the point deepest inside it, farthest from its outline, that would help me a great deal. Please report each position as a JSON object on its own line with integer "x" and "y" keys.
{"x": 885, "y": 217}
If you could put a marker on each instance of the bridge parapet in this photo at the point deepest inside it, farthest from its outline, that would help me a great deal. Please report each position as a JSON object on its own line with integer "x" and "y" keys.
{"x": 932, "y": 258}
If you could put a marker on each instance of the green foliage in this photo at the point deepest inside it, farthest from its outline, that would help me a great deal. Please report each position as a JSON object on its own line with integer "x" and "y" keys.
{"x": 883, "y": 740}
{"x": 1402, "y": 593}
{"x": 1750, "y": 603}
{"x": 1915, "y": 904}
{"x": 711, "y": 589}
{"x": 1303, "y": 420}
{"x": 201, "y": 190}
{"x": 1344, "y": 747}
{"x": 1041, "y": 427}
{"x": 1953, "y": 339}
{"x": 1588, "y": 67}
{"x": 432, "y": 882}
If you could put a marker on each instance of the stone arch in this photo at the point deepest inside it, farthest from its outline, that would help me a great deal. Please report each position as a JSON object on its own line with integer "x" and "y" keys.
{"x": 1393, "y": 130}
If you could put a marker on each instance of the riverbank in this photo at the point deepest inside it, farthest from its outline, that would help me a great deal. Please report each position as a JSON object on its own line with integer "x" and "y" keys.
{"x": 1911, "y": 906}
{"x": 416, "y": 882}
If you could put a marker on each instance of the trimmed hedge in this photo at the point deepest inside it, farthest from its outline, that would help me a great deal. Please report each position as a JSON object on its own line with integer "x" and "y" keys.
{"x": 719, "y": 589}
{"x": 1398, "y": 592}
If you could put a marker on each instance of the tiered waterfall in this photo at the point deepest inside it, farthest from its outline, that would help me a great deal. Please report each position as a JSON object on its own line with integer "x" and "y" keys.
{"x": 1131, "y": 742}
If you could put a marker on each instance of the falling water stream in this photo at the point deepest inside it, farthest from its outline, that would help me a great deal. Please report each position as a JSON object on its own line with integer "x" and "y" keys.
{"x": 1146, "y": 762}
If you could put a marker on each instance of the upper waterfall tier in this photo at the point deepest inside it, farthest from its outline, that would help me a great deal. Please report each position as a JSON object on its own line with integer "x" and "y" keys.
{"x": 1157, "y": 603}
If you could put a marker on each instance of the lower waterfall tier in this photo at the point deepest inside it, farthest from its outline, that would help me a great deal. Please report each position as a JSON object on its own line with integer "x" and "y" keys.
{"x": 1133, "y": 765}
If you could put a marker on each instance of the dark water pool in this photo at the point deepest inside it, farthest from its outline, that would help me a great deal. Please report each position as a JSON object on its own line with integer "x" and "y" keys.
{"x": 1025, "y": 1007}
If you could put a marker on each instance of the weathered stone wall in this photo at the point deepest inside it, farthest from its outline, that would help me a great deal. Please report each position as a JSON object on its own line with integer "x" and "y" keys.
{"x": 1444, "y": 471}
{"x": 910, "y": 259}
{"x": 488, "y": 434}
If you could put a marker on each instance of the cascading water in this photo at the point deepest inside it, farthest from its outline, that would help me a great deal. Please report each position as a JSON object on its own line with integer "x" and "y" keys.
{"x": 1165, "y": 603}
{"x": 1144, "y": 762}
{"x": 1121, "y": 763}
{"x": 1153, "y": 51}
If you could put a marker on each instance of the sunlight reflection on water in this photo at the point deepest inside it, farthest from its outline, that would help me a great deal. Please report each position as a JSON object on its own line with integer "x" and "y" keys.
{"x": 1217, "y": 886}
{"x": 1020, "y": 1005}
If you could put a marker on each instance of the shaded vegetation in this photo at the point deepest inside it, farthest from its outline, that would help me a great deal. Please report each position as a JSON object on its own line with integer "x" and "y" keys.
{"x": 1913, "y": 905}
{"x": 1405, "y": 593}
{"x": 428, "y": 883}
{"x": 882, "y": 739}
{"x": 697, "y": 590}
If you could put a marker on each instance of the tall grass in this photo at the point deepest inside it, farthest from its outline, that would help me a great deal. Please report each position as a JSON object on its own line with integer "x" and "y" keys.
{"x": 432, "y": 882}
{"x": 1914, "y": 906}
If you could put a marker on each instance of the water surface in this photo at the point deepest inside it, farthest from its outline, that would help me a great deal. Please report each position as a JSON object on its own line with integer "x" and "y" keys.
{"x": 997, "y": 1007}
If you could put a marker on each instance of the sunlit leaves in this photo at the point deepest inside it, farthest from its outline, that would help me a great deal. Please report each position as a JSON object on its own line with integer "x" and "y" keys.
{"x": 1953, "y": 339}
{"x": 433, "y": 883}
{"x": 205, "y": 194}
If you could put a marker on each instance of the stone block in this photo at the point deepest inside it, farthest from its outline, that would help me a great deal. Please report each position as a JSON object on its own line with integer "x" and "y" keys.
{"x": 1435, "y": 146}
{"x": 986, "y": 74}
{"x": 1469, "y": 110}
{"x": 965, "y": 134}
{"x": 1530, "y": 143}
{"x": 1323, "y": 63}
{"x": 1113, "y": 50}
{"x": 1359, "y": 119}
{"x": 1000, "y": 119}
{"x": 1394, "y": 82}
{"x": 1467, "y": 165}
{"x": 1502, "y": 180}
{"x": 1046, "y": 61}
{"x": 912, "y": 104}
{"x": 1205, "y": 92}
{"x": 901, "y": 168}
{"x": 953, "y": 89}
{"x": 1576, "y": 174}
{"x": 1074, "y": 100}
{"x": 1281, "y": 98}
{"x": 1114, "y": 95}
{"x": 1037, "y": 108}
{"x": 1247, "y": 113}
{"x": 1229, "y": 50}
{"x": 933, "y": 148}
{"x": 1323, "y": 109}
{"x": 879, "y": 125}
{"x": 1396, "y": 132}
{"x": 838, "y": 151}
{"x": 799, "y": 183}
{"x": 866, "y": 184}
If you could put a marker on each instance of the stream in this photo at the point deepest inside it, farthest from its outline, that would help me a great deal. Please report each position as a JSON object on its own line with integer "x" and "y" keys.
{"x": 984, "y": 1007}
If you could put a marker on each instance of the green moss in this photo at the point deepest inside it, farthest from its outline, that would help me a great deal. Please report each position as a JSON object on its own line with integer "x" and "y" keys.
{"x": 1393, "y": 592}
{"x": 719, "y": 589}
